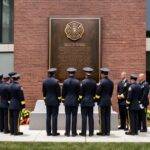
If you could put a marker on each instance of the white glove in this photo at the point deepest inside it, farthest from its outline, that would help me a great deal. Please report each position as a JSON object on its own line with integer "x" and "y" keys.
{"x": 141, "y": 106}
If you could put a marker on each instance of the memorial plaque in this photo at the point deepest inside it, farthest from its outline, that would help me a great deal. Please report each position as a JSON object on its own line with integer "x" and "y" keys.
{"x": 74, "y": 42}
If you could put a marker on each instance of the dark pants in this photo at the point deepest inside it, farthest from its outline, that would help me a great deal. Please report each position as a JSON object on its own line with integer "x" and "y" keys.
{"x": 4, "y": 119}
{"x": 123, "y": 116}
{"x": 105, "y": 119}
{"x": 133, "y": 121}
{"x": 87, "y": 112}
{"x": 14, "y": 121}
{"x": 142, "y": 119}
{"x": 71, "y": 117}
{"x": 51, "y": 119}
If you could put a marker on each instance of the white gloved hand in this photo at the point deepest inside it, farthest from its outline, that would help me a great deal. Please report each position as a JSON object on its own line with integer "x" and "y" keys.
{"x": 141, "y": 106}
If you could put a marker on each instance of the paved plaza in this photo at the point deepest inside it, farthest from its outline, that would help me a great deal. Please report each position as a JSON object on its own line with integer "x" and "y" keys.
{"x": 40, "y": 136}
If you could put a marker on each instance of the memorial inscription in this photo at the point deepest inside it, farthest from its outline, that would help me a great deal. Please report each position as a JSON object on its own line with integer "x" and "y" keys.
{"x": 74, "y": 42}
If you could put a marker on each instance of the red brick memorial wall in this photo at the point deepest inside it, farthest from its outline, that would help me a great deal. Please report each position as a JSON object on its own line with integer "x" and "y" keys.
{"x": 122, "y": 38}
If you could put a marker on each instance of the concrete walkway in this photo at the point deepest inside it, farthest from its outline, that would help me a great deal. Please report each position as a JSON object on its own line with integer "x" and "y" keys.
{"x": 40, "y": 136}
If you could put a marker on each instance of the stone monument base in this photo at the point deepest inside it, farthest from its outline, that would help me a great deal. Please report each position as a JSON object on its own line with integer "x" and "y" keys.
{"x": 38, "y": 118}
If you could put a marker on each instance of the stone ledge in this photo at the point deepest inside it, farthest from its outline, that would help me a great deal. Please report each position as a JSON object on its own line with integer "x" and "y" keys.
{"x": 38, "y": 117}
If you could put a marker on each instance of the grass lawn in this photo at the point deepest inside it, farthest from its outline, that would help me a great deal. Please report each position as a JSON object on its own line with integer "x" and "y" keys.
{"x": 73, "y": 146}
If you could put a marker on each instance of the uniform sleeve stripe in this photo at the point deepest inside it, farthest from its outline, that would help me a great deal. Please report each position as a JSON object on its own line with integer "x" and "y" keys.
{"x": 22, "y": 102}
{"x": 80, "y": 96}
{"x": 127, "y": 102}
{"x": 97, "y": 96}
{"x": 59, "y": 98}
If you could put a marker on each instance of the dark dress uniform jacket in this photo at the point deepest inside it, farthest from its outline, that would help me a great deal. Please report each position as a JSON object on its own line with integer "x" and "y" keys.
{"x": 122, "y": 88}
{"x": 17, "y": 96}
{"x": 88, "y": 90}
{"x": 134, "y": 96}
{"x": 5, "y": 95}
{"x": 70, "y": 91}
{"x": 145, "y": 91}
{"x": 51, "y": 91}
{"x": 1, "y": 85}
{"x": 105, "y": 90}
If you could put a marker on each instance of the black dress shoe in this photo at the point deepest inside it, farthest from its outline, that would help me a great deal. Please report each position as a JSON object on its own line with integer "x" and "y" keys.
{"x": 55, "y": 134}
{"x": 143, "y": 130}
{"x": 120, "y": 128}
{"x": 1, "y": 130}
{"x": 130, "y": 133}
{"x": 82, "y": 134}
{"x": 91, "y": 134}
{"x": 49, "y": 134}
{"x": 67, "y": 134}
{"x": 107, "y": 134}
{"x": 125, "y": 129}
{"x": 6, "y": 132}
{"x": 18, "y": 133}
{"x": 101, "y": 134}
{"x": 75, "y": 134}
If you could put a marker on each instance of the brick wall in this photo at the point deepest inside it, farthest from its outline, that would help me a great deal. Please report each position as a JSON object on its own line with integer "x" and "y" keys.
{"x": 123, "y": 37}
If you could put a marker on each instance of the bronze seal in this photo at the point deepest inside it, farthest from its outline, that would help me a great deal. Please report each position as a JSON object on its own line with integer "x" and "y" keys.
{"x": 74, "y": 30}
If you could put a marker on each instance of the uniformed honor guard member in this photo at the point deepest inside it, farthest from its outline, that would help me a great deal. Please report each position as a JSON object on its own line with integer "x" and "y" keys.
{"x": 144, "y": 103}
{"x": 1, "y": 115}
{"x": 52, "y": 98}
{"x": 4, "y": 103}
{"x": 103, "y": 95}
{"x": 122, "y": 90}
{"x": 1, "y": 78}
{"x": 87, "y": 96}
{"x": 17, "y": 103}
{"x": 133, "y": 104}
{"x": 11, "y": 74}
{"x": 70, "y": 95}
